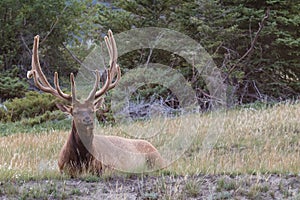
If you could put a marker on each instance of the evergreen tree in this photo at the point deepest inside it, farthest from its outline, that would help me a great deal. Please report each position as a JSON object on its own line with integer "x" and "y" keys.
{"x": 57, "y": 22}
{"x": 259, "y": 59}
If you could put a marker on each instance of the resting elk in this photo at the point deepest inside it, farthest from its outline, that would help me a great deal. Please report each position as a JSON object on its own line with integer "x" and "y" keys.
{"x": 85, "y": 151}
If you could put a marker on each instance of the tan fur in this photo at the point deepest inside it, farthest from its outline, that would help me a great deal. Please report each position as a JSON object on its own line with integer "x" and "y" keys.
{"x": 111, "y": 152}
{"x": 128, "y": 155}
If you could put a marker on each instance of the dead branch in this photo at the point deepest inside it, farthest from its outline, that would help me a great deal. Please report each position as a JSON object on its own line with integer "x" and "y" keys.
{"x": 72, "y": 54}
{"x": 53, "y": 25}
{"x": 250, "y": 50}
{"x": 25, "y": 45}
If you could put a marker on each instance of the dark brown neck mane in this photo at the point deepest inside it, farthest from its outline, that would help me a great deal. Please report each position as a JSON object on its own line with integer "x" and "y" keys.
{"x": 80, "y": 153}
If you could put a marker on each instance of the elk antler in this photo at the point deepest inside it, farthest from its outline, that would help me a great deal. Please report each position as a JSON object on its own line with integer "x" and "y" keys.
{"x": 113, "y": 70}
{"x": 42, "y": 83}
{"x": 39, "y": 77}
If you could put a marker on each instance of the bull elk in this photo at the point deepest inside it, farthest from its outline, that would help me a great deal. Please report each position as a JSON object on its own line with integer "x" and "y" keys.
{"x": 84, "y": 150}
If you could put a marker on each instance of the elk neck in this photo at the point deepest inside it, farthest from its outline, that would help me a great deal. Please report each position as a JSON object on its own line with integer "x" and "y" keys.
{"x": 81, "y": 139}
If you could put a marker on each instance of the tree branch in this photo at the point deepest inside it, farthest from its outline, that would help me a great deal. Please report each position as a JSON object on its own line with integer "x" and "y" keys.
{"x": 53, "y": 25}
{"x": 261, "y": 26}
{"x": 250, "y": 50}
{"x": 75, "y": 57}
{"x": 72, "y": 55}
{"x": 25, "y": 45}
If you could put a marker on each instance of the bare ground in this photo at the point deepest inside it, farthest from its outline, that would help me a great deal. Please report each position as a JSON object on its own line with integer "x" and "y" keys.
{"x": 269, "y": 186}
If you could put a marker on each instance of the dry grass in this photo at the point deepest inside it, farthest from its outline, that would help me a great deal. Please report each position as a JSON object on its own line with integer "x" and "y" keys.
{"x": 30, "y": 155}
{"x": 252, "y": 141}
{"x": 236, "y": 141}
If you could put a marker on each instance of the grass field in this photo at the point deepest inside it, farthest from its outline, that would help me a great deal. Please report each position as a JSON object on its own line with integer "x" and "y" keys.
{"x": 249, "y": 141}
{"x": 244, "y": 152}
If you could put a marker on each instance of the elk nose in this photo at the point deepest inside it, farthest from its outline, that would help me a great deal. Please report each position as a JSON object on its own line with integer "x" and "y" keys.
{"x": 87, "y": 120}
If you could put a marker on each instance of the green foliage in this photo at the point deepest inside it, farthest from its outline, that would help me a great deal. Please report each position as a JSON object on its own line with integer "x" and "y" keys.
{"x": 125, "y": 15}
{"x": 273, "y": 67}
{"x": 47, "y": 116}
{"x": 57, "y": 22}
{"x": 226, "y": 29}
{"x": 26, "y": 126}
{"x": 11, "y": 85}
{"x": 32, "y": 105}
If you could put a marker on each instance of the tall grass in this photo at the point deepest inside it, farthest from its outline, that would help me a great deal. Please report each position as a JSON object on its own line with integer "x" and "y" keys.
{"x": 243, "y": 141}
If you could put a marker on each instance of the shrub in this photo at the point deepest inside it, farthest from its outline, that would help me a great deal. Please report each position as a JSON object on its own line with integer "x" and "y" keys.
{"x": 47, "y": 116}
{"x": 11, "y": 85}
{"x": 32, "y": 105}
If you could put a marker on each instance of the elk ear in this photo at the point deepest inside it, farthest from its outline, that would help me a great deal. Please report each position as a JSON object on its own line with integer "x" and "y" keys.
{"x": 64, "y": 108}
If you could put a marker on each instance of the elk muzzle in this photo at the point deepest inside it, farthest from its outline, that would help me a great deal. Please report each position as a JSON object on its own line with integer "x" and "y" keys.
{"x": 87, "y": 121}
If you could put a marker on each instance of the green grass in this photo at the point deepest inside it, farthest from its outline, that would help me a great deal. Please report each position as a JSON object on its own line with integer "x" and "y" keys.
{"x": 245, "y": 140}
{"x": 23, "y": 127}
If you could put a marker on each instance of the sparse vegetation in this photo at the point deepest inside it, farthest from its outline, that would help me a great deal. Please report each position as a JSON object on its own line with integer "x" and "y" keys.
{"x": 192, "y": 187}
{"x": 226, "y": 185}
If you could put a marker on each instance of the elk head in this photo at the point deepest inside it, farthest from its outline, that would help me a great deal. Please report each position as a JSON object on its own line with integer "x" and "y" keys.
{"x": 83, "y": 112}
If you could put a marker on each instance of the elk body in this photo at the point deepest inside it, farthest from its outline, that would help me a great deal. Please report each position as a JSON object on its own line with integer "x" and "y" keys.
{"x": 84, "y": 150}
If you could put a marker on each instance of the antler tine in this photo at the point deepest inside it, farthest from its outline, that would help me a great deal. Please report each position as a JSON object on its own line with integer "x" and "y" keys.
{"x": 73, "y": 88}
{"x": 36, "y": 62}
{"x": 112, "y": 85}
{"x": 91, "y": 96}
{"x": 113, "y": 68}
{"x": 60, "y": 92}
{"x": 113, "y": 45}
{"x": 105, "y": 86}
{"x": 39, "y": 77}
{"x": 108, "y": 45}
{"x": 113, "y": 63}
{"x": 39, "y": 85}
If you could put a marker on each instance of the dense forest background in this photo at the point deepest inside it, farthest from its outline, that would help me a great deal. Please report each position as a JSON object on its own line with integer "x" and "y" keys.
{"x": 255, "y": 44}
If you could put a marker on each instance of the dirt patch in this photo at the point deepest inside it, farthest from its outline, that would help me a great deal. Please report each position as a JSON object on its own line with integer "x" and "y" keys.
{"x": 158, "y": 187}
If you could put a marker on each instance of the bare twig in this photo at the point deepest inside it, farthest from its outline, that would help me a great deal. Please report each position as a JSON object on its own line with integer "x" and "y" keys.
{"x": 158, "y": 39}
{"x": 257, "y": 90}
{"x": 253, "y": 42}
{"x": 208, "y": 95}
{"x": 73, "y": 55}
{"x": 53, "y": 25}
{"x": 26, "y": 46}
{"x": 76, "y": 58}
{"x": 261, "y": 25}
{"x": 149, "y": 57}
{"x": 217, "y": 49}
